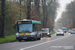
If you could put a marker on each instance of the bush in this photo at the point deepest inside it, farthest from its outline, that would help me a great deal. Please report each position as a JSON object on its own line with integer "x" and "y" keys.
{"x": 52, "y": 32}
{"x": 12, "y": 15}
{"x": 10, "y": 38}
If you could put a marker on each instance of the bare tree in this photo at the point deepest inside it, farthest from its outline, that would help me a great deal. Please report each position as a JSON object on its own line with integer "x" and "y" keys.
{"x": 44, "y": 12}
{"x": 37, "y": 2}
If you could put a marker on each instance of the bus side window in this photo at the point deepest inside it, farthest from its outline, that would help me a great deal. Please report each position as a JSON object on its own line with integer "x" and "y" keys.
{"x": 34, "y": 27}
{"x": 39, "y": 27}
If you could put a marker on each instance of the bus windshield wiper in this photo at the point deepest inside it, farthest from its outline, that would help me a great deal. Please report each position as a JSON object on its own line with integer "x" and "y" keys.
{"x": 27, "y": 30}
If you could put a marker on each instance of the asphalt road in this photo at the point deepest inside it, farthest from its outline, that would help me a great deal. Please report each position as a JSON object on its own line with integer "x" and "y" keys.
{"x": 66, "y": 42}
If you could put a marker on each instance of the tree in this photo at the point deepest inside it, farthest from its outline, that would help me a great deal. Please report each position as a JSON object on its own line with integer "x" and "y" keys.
{"x": 37, "y": 2}
{"x": 0, "y": 18}
{"x": 49, "y": 10}
{"x": 28, "y": 8}
{"x": 3, "y": 20}
{"x": 33, "y": 14}
{"x": 44, "y": 12}
{"x": 69, "y": 14}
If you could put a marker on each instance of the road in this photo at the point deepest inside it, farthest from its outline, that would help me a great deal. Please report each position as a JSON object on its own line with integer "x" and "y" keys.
{"x": 66, "y": 42}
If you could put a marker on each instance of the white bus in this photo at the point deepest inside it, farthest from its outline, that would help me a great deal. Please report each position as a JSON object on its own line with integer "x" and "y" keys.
{"x": 28, "y": 30}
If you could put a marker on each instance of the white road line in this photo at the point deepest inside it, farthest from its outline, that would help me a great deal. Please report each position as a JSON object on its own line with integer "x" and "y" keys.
{"x": 44, "y": 42}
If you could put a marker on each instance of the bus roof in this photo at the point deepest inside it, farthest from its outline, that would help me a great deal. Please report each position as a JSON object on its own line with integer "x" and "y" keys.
{"x": 33, "y": 21}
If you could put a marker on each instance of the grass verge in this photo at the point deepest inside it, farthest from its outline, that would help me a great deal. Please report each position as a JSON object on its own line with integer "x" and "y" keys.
{"x": 52, "y": 32}
{"x": 10, "y": 38}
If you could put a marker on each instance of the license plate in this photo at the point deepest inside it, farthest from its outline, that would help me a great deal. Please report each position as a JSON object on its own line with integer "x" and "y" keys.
{"x": 25, "y": 38}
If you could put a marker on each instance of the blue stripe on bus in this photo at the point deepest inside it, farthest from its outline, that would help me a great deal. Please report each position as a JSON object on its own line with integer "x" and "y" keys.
{"x": 36, "y": 22}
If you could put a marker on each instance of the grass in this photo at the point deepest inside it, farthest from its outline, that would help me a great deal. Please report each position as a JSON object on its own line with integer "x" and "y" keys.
{"x": 52, "y": 32}
{"x": 10, "y": 38}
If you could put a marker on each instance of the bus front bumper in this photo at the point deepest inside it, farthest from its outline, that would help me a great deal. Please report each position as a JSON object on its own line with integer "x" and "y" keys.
{"x": 26, "y": 37}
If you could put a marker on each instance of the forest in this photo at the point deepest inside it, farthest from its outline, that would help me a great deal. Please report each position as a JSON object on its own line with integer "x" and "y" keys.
{"x": 42, "y": 10}
{"x": 68, "y": 17}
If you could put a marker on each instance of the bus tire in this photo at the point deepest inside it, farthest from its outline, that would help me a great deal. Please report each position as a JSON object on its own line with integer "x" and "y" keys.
{"x": 39, "y": 37}
{"x": 19, "y": 40}
{"x": 26, "y": 39}
{"x": 35, "y": 39}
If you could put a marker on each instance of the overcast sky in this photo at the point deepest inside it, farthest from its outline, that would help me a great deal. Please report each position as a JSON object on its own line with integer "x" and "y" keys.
{"x": 62, "y": 7}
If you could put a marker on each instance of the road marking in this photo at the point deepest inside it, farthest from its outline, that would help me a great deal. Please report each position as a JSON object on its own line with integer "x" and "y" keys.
{"x": 44, "y": 43}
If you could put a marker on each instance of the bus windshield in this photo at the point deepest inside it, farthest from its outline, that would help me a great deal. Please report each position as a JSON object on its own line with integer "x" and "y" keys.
{"x": 25, "y": 28}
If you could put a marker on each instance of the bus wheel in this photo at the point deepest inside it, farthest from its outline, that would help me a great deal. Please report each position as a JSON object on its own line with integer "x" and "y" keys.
{"x": 35, "y": 38}
{"x": 26, "y": 39}
{"x": 19, "y": 40}
{"x": 39, "y": 38}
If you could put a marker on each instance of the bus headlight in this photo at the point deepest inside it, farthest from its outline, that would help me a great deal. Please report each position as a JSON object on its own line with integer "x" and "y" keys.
{"x": 17, "y": 34}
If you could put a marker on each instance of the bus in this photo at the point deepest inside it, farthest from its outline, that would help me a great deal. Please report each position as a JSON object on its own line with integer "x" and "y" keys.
{"x": 28, "y": 30}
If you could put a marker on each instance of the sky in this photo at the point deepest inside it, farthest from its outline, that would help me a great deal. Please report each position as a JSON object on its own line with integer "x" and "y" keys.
{"x": 62, "y": 4}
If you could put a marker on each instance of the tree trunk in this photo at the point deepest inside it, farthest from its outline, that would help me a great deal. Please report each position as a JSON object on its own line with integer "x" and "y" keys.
{"x": 44, "y": 14}
{"x": 28, "y": 8}
{"x": 37, "y": 7}
{"x": 3, "y": 20}
{"x": 73, "y": 22}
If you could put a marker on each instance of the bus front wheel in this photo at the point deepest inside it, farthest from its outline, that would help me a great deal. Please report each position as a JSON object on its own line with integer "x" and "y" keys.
{"x": 19, "y": 40}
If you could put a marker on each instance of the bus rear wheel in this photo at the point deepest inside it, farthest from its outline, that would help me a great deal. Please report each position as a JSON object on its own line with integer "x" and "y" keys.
{"x": 39, "y": 38}
{"x": 35, "y": 38}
